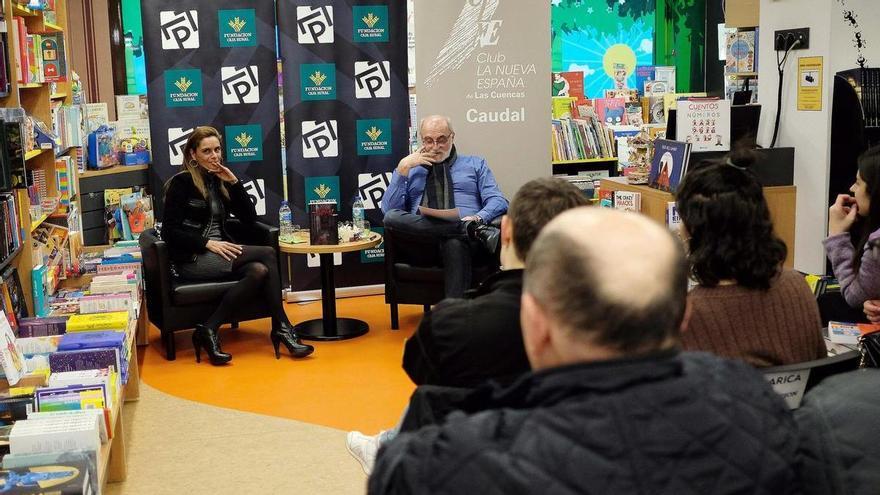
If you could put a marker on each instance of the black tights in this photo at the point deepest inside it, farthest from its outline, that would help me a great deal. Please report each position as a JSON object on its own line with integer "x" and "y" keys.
{"x": 257, "y": 268}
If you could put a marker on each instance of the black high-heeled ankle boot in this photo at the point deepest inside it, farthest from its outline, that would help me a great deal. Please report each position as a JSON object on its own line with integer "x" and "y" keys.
{"x": 284, "y": 333}
{"x": 207, "y": 337}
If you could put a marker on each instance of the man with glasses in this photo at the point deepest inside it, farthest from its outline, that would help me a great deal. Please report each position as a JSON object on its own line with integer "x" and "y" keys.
{"x": 435, "y": 176}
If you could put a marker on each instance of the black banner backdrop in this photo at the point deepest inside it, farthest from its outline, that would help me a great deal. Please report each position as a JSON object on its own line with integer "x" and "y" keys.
{"x": 346, "y": 114}
{"x": 213, "y": 62}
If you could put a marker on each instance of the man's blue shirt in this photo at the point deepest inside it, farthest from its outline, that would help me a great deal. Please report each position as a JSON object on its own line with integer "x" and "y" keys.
{"x": 474, "y": 189}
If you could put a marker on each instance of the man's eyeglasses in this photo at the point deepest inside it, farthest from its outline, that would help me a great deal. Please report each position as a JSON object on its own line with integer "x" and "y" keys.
{"x": 440, "y": 140}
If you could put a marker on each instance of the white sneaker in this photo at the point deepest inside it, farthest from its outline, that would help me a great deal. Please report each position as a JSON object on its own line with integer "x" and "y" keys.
{"x": 363, "y": 448}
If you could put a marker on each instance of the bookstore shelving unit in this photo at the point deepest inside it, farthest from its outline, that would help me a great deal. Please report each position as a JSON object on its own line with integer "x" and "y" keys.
{"x": 572, "y": 167}
{"x": 37, "y": 100}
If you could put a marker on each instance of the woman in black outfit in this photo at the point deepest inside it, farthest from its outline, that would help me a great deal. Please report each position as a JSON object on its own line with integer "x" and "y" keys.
{"x": 197, "y": 203}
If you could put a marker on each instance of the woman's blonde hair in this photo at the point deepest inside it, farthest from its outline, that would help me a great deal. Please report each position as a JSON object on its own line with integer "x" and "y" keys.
{"x": 192, "y": 166}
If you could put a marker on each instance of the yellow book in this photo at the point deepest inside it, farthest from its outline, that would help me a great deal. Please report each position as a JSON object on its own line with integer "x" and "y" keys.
{"x": 669, "y": 100}
{"x": 117, "y": 320}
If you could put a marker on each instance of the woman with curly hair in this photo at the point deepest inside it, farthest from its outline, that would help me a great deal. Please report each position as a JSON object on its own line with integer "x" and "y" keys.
{"x": 745, "y": 305}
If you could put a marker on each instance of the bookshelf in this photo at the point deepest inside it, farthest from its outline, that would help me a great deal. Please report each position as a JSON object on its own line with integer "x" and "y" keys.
{"x": 37, "y": 100}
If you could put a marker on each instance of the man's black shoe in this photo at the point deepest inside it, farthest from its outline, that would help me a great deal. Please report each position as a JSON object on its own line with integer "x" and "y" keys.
{"x": 487, "y": 235}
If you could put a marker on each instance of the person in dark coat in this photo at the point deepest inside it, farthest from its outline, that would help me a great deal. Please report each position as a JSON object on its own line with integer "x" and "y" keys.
{"x": 840, "y": 435}
{"x": 612, "y": 405}
{"x": 196, "y": 206}
{"x": 465, "y": 342}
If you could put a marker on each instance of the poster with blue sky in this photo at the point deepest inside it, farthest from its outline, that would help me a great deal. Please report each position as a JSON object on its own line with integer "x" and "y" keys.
{"x": 606, "y": 39}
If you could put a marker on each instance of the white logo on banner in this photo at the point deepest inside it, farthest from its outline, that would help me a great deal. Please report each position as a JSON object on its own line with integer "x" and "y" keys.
{"x": 240, "y": 85}
{"x": 179, "y": 29}
{"x": 474, "y": 28}
{"x": 372, "y": 79}
{"x": 372, "y": 188}
{"x": 320, "y": 139}
{"x": 257, "y": 193}
{"x": 177, "y": 137}
{"x": 314, "y": 260}
{"x": 314, "y": 25}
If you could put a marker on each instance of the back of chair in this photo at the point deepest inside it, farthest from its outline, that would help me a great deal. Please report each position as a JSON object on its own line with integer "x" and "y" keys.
{"x": 157, "y": 273}
{"x": 792, "y": 381}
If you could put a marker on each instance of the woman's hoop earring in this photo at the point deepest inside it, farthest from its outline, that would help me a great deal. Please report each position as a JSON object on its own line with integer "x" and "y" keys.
{"x": 192, "y": 163}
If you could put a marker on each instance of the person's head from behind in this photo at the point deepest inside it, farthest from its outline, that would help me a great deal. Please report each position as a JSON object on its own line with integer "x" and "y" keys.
{"x": 601, "y": 284}
{"x": 203, "y": 150}
{"x": 437, "y": 137}
{"x": 534, "y": 205}
{"x": 727, "y": 224}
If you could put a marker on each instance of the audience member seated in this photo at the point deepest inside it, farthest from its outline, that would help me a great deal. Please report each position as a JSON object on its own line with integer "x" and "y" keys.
{"x": 745, "y": 306}
{"x": 198, "y": 201}
{"x": 840, "y": 436}
{"x": 464, "y": 342}
{"x": 852, "y": 244}
{"x": 612, "y": 406}
{"x": 436, "y": 176}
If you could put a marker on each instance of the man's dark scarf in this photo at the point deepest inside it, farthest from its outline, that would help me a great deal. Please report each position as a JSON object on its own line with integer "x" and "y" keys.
{"x": 438, "y": 184}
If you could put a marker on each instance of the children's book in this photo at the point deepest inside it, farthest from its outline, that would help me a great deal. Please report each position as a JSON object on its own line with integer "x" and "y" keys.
{"x": 610, "y": 110}
{"x": 705, "y": 123}
{"x": 669, "y": 164}
{"x": 10, "y": 355}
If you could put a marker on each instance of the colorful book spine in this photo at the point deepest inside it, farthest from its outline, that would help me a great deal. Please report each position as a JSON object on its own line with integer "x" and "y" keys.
{"x": 38, "y": 287}
{"x": 117, "y": 320}
{"x": 105, "y": 303}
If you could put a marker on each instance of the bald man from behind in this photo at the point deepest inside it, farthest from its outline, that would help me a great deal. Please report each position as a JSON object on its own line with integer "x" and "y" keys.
{"x": 612, "y": 405}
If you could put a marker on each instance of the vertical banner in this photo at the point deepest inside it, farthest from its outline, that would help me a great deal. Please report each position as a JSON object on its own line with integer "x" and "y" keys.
{"x": 486, "y": 64}
{"x": 345, "y": 114}
{"x": 213, "y": 62}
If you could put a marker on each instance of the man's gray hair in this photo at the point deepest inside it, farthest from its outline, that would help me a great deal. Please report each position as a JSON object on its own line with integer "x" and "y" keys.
{"x": 436, "y": 117}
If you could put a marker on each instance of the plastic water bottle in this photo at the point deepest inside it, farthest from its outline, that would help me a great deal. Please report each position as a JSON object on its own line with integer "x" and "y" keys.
{"x": 357, "y": 213}
{"x": 285, "y": 222}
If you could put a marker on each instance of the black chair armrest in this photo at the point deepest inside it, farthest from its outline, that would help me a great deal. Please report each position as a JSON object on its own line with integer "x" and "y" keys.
{"x": 255, "y": 234}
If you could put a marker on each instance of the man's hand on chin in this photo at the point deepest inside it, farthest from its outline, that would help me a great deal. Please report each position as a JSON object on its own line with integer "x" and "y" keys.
{"x": 413, "y": 160}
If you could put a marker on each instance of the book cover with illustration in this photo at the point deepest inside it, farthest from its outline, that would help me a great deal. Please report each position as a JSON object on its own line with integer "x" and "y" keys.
{"x": 669, "y": 164}
{"x": 705, "y": 123}
{"x": 569, "y": 83}
{"x": 849, "y": 333}
{"x": 10, "y": 355}
{"x": 138, "y": 210}
{"x": 610, "y": 110}
{"x": 644, "y": 73}
{"x": 633, "y": 114}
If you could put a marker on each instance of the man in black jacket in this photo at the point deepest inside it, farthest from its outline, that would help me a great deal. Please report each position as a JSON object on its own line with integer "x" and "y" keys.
{"x": 464, "y": 342}
{"x": 612, "y": 406}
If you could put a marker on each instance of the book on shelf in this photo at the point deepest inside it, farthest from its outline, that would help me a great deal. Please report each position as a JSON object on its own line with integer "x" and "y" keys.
{"x": 132, "y": 107}
{"x": 644, "y": 73}
{"x": 610, "y": 110}
{"x": 84, "y": 359}
{"x": 570, "y": 83}
{"x": 673, "y": 219}
{"x": 669, "y": 164}
{"x": 11, "y": 358}
{"x": 57, "y": 434}
{"x": 16, "y": 292}
{"x": 116, "y": 320}
{"x": 59, "y": 473}
{"x": 75, "y": 464}
{"x": 666, "y": 73}
{"x": 38, "y": 288}
{"x": 704, "y": 123}
{"x": 52, "y": 57}
{"x": 563, "y": 106}
{"x": 30, "y": 346}
{"x": 627, "y": 201}
{"x": 741, "y": 52}
{"x": 580, "y": 139}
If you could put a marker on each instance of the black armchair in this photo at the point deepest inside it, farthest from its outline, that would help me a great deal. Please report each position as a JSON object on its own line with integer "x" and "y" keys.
{"x": 174, "y": 304}
{"x": 414, "y": 273}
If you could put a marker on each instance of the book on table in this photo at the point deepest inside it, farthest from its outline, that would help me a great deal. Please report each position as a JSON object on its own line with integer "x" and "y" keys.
{"x": 669, "y": 164}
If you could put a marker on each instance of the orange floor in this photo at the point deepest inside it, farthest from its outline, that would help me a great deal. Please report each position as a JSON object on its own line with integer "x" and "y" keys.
{"x": 355, "y": 384}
